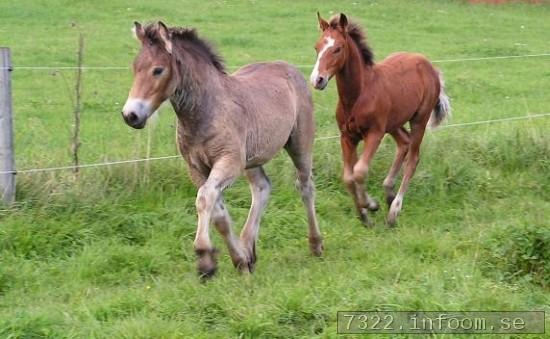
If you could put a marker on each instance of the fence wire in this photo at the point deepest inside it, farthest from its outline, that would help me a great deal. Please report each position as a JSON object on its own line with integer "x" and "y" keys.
{"x": 121, "y": 162}
{"x": 15, "y": 67}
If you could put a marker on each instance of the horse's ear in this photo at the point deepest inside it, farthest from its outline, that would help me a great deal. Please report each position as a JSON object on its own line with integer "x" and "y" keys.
{"x": 323, "y": 24}
{"x": 165, "y": 36}
{"x": 343, "y": 21}
{"x": 138, "y": 31}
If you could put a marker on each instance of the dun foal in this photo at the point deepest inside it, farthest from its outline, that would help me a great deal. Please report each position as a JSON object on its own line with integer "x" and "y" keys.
{"x": 375, "y": 99}
{"x": 227, "y": 124}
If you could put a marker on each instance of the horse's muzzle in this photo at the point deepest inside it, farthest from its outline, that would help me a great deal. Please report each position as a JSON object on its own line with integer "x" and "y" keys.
{"x": 321, "y": 83}
{"x": 135, "y": 112}
{"x": 133, "y": 120}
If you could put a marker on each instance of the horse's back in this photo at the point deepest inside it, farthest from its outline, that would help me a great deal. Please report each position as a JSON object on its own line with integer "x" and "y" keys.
{"x": 397, "y": 64}
{"x": 275, "y": 83}
{"x": 411, "y": 83}
{"x": 275, "y": 99}
{"x": 262, "y": 71}
{"x": 272, "y": 66}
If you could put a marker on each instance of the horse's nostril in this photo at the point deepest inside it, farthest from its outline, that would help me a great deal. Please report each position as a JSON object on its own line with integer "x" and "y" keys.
{"x": 132, "y": 117}
{"x": 320, "y": 80}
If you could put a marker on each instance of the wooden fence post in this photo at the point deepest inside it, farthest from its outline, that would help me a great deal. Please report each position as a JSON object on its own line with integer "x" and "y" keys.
{"x": 7, "y": 163}
{"x": 78, "y": 93}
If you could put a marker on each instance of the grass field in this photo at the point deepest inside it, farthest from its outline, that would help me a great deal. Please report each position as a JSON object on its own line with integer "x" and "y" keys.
{"x": 111, "y": 254}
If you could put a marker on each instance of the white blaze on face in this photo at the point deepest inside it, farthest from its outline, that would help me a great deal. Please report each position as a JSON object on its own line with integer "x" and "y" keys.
{"x": 140, "y": 107}
{"x": 329, "y": 42}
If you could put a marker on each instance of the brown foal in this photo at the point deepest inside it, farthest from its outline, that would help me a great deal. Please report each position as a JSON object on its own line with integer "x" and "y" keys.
{"x": 375, "y": 99}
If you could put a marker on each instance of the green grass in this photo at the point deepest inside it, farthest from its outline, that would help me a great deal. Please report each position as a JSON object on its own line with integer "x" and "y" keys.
{"x": 110, "y": 254}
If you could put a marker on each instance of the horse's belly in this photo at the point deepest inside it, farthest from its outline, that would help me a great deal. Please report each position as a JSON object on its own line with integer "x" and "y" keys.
{"x": 274, "y": 98}
{"x": 262, "y": 147}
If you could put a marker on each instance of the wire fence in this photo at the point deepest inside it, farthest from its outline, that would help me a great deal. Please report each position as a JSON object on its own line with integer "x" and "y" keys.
{"x": 471, "y": 123}
{"x": 122, "y": 162}
{"x": 501, "y": 57}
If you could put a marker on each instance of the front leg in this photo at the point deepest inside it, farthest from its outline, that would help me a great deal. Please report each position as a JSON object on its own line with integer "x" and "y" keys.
{"x": 362, "y": 201}
{"x": 222, "y": 221}
{"x": 361, "y": 168}
{"x": 223, "y": 173}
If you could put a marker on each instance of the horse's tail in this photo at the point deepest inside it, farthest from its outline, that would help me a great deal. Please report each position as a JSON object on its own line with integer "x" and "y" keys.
{"x": 442, "y": 109}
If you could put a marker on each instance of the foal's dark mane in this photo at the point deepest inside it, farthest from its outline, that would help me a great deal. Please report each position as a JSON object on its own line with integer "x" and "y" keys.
{"x": 190, "y": 35}
{"x": 358, "y": 36}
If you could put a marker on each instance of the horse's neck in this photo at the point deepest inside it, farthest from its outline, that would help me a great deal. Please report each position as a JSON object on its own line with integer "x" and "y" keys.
{"x": 350, "y": 80}
{"x": 194, "y": 96}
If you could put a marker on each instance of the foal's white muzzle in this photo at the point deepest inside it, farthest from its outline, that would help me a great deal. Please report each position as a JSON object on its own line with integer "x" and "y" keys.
{"x": 319, "y": 82}
{"x": 136, "y": 111}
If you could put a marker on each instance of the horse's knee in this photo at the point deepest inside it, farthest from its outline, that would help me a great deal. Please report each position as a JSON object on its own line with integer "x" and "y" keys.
{"x": 205, "y": 199}
{"x": 359, "y": 171}
{"x": 304, "y": 183}
{"x": 348, "y": 179}
{"x": 264, "y": 186}
{"x": 307, "y": 191}
{"x": 262, "y": 189}
{"x": 218, "y": 212}
{"x": 389, "y": 183}
{"x": 201, "y": 203}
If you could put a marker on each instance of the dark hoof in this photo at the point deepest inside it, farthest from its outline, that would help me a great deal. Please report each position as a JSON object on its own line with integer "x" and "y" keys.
{"x": 251, "y": 266}
{"x": 316, "y": 246}
{"x": 253, "y": 258}
{"x": 389, "y": 199}
{"x": 248, "y": 264}
{"x": 391, "y": 224}
{"x": 206, "y": 265}
{"x": 364, "y": 218}
{"x": 391, "y": 220}
{"x": 373, "y": 206}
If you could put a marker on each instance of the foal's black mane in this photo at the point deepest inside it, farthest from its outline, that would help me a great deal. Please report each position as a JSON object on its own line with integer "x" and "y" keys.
{"x": 358, "y": 36}
{"x": 190, "y": 35}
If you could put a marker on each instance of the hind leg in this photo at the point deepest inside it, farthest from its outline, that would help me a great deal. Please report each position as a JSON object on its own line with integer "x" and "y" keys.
{"x": 260, "y": 187}
{"x": 305, "y": 185}
{"x": 402, "y": 139}
{"x": 417, "y": 133}
{"x": 299, "y": 148}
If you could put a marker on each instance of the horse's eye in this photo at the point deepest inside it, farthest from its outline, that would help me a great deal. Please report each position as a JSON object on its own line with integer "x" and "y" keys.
{"x": 337, "y": 50}
{"x": 157, "y": 71}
